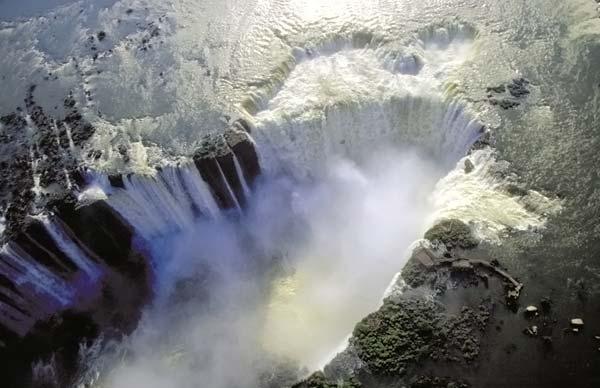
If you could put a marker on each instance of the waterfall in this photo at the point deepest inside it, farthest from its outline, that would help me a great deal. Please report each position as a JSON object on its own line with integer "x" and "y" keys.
{"x": 62, "y": 256}
{"x": 349, "y": 135}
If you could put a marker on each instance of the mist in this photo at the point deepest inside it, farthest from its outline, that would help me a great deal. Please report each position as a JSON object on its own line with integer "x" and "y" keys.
{"x": 259, "y": 299}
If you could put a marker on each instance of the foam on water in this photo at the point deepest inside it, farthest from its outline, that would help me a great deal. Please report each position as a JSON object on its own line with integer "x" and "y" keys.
{"x": 348, "y": 81}
{"x": 171, "y": 200}
{"x": 41, "y": 290}
{"x": 479, "y": 198}
{"x": 69, "y": 247}
{"x": 363, "y": 137}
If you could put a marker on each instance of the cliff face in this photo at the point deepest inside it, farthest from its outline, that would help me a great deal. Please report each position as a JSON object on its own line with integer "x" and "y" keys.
{"x": 71, "y": 269}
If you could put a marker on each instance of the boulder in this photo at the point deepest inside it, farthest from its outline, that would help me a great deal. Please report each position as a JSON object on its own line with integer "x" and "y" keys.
{"x": 577, "y": 322}
{"x": 531, "y": 311}
{"x": 469, "y": 166}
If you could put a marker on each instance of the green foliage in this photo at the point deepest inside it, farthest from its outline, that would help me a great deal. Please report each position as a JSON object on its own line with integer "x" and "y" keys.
{"x": 452, "y": 232}
{"x": 318, "y": 380}
{"x": 396, "y": 335}
{"x": 405, "y": 331}
{"x": 414, "y": 273}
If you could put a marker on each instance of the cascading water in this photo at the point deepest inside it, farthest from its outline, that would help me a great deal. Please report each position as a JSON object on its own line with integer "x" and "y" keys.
{"x": 262, "y": 245}
{"x": 276, "y": 285}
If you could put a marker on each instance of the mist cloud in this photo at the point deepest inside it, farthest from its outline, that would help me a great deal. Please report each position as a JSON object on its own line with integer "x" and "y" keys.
{"x": 262, "y": 298}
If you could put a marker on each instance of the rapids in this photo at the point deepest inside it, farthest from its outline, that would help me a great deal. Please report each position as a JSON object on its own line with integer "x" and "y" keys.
{"x": 259, "y": 171}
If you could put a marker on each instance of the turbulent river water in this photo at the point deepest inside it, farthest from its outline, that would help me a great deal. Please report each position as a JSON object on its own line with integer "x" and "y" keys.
{"x": 371, "y": 121}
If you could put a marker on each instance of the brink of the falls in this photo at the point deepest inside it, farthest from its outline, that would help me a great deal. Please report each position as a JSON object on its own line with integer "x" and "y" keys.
{"x": 298, "y": 194}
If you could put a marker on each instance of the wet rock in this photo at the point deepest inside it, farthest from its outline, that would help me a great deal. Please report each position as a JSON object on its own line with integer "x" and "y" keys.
{"x": 469, "y": 167}
{"x": 496, "y": 89}
{"x": 116, "y": 180}
{"x": 58, "y": 337}
{"x": 531, "y": 311}
{"x": 531, "y": 331}
{"x": 35, "y": 240}
{"x": 577, "y": 323}
{"x": 515, "y": 190}
{"x": 518, "y": 87}
{"x": 56, "y": 165}
{"x": 504, "y": 103}
{"x": 216, "y": 160}
{"x": 517, "y": 90}
{"x": 485, "y": 140}
{"x": 123, "y": 152}
{"x": 512, "y": 296}
{"x": 212, "y": 173}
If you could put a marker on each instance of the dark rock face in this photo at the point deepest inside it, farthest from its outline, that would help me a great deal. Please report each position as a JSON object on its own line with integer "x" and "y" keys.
{"x": 46, "y": 153}
{"x": 227, "y": 191}
{"x": 469, "y": 167}
{"x": 216, "y": 161}
{"x": 35, "y": 240}
{"x": 517, "y": 90}
{"x": 58, "y": 339}
{"x": 485, "y": 140}
{"x": 110, "y": 305}
{"x": 39, "y": 327}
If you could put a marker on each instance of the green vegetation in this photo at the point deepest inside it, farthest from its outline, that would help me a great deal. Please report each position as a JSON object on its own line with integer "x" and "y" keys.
{"x": 415, "y": 274}
{"x": 407, "y": 330}
{"x": 398, "y": 334}
{"x": 318, "y": 380}
{"x": 453, "y": 233}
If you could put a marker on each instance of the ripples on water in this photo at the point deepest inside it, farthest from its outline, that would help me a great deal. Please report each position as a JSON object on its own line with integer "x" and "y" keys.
{"x": 317, "y": 80}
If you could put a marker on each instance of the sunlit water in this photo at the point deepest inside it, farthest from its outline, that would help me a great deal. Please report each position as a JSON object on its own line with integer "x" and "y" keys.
{"x": 362, "y": 113}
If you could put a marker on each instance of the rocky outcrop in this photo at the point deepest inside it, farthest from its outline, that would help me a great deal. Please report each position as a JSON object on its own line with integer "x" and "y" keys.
{"x": 452, "y": 233}
{"x": 510, "y": 95}
{"x": 108, "y": 303}
{"x": 66, "y": 264}
{"x": 229, "y": 164}
{"x": 70, "y": 270}
{"x": 409, "y": 331}
{"x": 37, "y": 161}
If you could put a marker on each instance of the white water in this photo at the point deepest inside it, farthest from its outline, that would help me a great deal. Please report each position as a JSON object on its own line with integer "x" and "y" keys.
{"x": 354, "y": 153}
{"x": 335, "y": 241}
{"x": 71, "y": 250}
{"x": 322, "y": 118}
{"x": 156, "y": 204}
{"x": 43, "y": 291}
